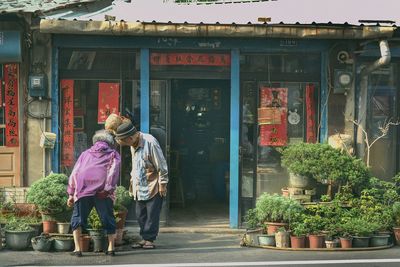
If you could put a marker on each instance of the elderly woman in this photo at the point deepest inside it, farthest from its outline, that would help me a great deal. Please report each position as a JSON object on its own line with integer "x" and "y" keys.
{"x": 92, "y": 184}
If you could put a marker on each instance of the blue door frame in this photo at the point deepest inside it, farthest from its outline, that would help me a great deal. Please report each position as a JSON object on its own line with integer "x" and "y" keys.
{"x": 146, "y": 43}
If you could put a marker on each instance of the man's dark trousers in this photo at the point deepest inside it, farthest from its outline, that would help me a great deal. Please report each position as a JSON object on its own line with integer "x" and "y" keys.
{"x": 148, "y": 216}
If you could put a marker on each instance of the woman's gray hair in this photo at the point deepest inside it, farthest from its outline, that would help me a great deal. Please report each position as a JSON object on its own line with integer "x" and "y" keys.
{"x": 104, "y": 136}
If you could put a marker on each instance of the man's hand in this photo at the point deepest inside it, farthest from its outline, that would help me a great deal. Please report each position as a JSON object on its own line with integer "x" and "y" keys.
{"x": 162, "y": 189}
{"x": 102, "y": 194}
{"x": 70, "y": 201}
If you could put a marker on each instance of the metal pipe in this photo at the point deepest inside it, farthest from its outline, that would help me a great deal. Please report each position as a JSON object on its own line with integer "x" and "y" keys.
{"x": 383, "y": 60}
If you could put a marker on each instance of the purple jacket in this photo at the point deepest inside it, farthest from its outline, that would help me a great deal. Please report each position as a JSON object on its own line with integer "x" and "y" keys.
{"x": 96, "y": 169}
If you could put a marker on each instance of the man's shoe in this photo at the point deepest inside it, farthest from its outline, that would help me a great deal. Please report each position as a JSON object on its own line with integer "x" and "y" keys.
{"x": 76, "y": 253}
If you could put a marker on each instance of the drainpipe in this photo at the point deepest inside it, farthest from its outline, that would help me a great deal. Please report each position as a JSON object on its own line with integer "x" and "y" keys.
{"x": 363, "y": 98}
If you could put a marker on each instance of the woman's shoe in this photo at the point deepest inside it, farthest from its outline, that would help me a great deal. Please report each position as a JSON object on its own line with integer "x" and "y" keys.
{"x": 76, "y": 253}
{"x": 110, "y": 253}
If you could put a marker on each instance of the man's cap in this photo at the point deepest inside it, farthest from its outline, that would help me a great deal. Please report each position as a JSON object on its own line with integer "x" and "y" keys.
{"x": 126, "y": 129}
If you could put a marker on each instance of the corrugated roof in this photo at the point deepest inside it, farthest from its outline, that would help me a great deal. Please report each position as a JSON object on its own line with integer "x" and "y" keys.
{"x": 342, "y": 12}
{"x": 31, "y": 6}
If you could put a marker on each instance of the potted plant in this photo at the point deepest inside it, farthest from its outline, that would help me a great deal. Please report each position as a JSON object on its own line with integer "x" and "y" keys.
{"x": 63, "y": 243}
{"x": 396, "y": 217}
{"x": 346, "y": 229}
{"x": 299, "y": 231}
{"x": 253, "y": 228}
{"x": 122, "y": 202}
{"x": 315, "y": 224}
{"x": 18, "y": 234}
{"x": 35, "y": 223}
{"x": 96, "y": 231}
{"x": 63, "y": 227}
{"x": 42, "y": 243}
{"x": 363, "y": 230}
{"x": 276, "y": 211}
{"x": 50, "y": 196}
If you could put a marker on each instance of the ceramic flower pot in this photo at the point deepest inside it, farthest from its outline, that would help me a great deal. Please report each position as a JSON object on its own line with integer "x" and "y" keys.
{"x": 63, "y": 244}
{"x": 361, "y": 241}
{"x": 266, "y": 240}
{"x": 84, "y": 243}
{"x": 63, "y": 227}
{"x": 41, "y": 243}
{"x": 49, "y": 227}
{"x": 18, "y": 240}
{"x": 316, "y": 241}
{"x": 298, "y": 241}
{"x": 346, "y": 242}
{"x": 379, "y": 240}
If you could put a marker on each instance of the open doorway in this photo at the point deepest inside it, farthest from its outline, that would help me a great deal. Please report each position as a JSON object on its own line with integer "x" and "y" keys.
{"x": 199, "y": 152}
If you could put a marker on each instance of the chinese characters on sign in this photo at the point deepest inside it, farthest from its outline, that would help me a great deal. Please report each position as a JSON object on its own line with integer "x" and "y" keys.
{"x": 190, "y": 59}
{"x": 273, "y": 120}
{"x": 310, "y": 115}
{"x": 11, "y": 101}
{"x": 1, "y": 94}
{"x": 67, "y": 90}
{"x": 108, "y": 100}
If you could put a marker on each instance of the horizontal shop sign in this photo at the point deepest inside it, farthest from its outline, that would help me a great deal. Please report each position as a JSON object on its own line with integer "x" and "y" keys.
{"x": 202, "y": 59}
{"x": 10, "y": 47}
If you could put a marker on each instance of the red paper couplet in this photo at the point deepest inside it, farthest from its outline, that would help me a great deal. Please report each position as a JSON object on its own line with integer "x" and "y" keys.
{"x": 67, "y": 90}
{"x": 11, "y": 101}
{"x": 311, "y": 135}
{"x": 108, "y": 101}
{"x": 273, "y": 132}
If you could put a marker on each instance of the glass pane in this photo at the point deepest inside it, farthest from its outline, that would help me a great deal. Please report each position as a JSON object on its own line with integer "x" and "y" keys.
{"x": 158, "y": 112}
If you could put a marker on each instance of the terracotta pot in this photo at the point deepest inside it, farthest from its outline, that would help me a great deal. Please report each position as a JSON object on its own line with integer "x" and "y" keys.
{"x": 49, "y": 227}
{"x": 122, "y": 216}
{"x": 346, "y": 242}
{"x": 298, "y": 241}
{"x": 273, "y": 227}
{"x": 396, "y": 231}
{"x": 316, "y": 241}
{"x": 84, "y": 242}
{"x": 285, "y": 192}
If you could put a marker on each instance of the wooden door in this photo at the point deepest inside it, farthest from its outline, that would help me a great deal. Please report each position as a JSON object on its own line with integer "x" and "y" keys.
{"x": 10, "y": 166}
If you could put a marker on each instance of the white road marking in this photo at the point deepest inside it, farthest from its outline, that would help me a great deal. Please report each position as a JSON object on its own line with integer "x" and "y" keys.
{"x": 257, "y": 263}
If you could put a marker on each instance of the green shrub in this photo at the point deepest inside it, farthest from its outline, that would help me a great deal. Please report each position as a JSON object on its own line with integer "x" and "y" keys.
{"x": 396, "y": 213}
{"x": 122, "y": 198}
{"x": 251, "y": 219}
{"x": 49, "y": 193}
{"x": 276, "y": 208}
{"x": 94, "y": 220}
{"x": 17, "y": 224}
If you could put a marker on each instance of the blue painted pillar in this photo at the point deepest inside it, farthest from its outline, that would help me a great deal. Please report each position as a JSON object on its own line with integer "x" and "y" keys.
{"x": 323, "y": 133}
{"x": 234, "y": 141}
{"x": 144, "y": 91}
{"x": 55, "y": 110}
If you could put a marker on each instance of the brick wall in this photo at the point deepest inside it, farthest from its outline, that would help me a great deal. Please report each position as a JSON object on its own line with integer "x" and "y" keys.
{"x": 17, "y": 194}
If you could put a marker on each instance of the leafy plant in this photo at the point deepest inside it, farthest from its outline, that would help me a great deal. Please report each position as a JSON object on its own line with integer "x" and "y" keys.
{"x": 122, "y": 198}
{"x": 325, "y": 198}
{"x": 396, "y": 213}
{"x": 17, "y": 224}
{"x": 251, "y": 219}
{"x": 276, "y": 208}
{"x": 299, "y": 229}
{"x": 94, "y": 220}
{"x": 314, "y": 223}
{"x": 49, "y": 193}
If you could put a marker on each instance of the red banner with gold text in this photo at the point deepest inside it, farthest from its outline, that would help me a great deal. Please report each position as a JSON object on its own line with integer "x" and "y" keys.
{"x": 108, "y": 100}
{"x": 11, "y": 102}
{"x": 67, "y": 90}
{"x": 273, "y": 120}
{"x": 311, "y": 135}
{"x": 202, "y": 59}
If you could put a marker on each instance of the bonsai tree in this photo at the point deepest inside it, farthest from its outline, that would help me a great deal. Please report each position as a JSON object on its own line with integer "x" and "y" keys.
{"x": 276, "y": 208}
{"x": 49, "y": 193}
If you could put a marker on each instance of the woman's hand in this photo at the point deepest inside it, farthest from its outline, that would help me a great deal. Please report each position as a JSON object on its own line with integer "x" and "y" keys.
{"x": 70, "y": 201}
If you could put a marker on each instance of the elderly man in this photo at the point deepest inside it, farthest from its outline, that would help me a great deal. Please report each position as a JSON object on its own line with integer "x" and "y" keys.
{"x": 149, "y": 179}
{"x": 92, "y": 184}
